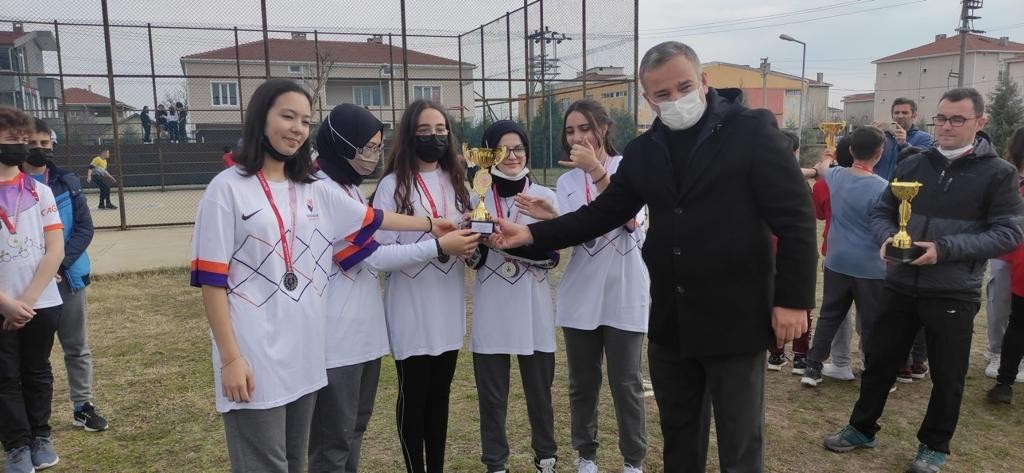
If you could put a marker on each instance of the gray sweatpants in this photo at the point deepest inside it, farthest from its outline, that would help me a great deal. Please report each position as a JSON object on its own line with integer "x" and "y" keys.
{"x": 343, "y": 410}
{"x": 492, "y": 384}
{"x": 997, "y": 307}
{"x": 585, "y": 351}
{"x": 269, "y": 440}
{"x": 73, "y": 334}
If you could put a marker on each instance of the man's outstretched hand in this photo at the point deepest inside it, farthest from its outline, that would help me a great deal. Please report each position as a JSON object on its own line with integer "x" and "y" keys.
{"x": 510, "y": 235}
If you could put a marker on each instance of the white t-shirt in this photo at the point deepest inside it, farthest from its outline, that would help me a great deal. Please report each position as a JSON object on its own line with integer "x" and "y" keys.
{"x": 425, "y": 303}
{"x": 606, "y": 281}
{"x": 356, "y": 329}
{"x": 237, "y": 245}
{"x": 513, "y": 314}
{"x": 20, "y": 255}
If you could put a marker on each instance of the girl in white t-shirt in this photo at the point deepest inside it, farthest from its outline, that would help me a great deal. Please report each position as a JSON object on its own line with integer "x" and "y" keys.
{"x": 525, "y": 328}
{"x": 603, "y": 298}
{"x": 349, "y": 146}
{"x": 262, "y": 253}
{"x": 424, "y": 304}
{"x": 31, "y": 250}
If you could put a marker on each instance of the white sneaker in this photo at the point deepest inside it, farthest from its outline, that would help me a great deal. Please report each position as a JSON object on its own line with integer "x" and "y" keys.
{"x": 842, "y": 373}
{"x": 585, "y": 466}
{"x": 627, "y": 468}
{"x": 992, "y": 370}
{"x": 1020, "y": 372}
{"x": 893, "y": 388}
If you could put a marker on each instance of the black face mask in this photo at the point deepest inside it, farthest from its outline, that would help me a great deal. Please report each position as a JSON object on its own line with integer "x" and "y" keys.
{"x": 37, "y": 157}
{"x": 430, "y": 148}
{"x": 13, "y": 154}
{"x": 277, "y": 155}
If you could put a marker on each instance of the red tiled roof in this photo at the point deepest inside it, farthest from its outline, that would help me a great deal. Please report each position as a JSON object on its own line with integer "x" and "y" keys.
{"x": 78, "y": 96}
{"x": 859, "y": 97}
{"x": 8, "y": 37}
{"x": 302, "y": 50}
{"x": 951, "y": 45}
{"x": 810, "y": 81}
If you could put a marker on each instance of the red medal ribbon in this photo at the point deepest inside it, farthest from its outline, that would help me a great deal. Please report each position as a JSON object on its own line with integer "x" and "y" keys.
{"x": 430, "y": 198}
{"x": 285, "y": 244}
{"x": 5, "y": 217}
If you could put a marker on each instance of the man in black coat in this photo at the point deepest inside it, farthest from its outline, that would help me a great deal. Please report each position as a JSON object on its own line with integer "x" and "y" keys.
{"x": 718, "y": 179}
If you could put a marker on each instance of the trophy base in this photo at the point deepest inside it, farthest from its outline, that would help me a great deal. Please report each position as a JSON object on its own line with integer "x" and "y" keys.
{"x": 902, "y": 255}
{"x": 483, "y": 227}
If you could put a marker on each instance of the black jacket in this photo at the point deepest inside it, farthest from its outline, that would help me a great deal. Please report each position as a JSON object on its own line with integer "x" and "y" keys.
{"x": 714, "y": 279}
{"x": 971, "y": 208}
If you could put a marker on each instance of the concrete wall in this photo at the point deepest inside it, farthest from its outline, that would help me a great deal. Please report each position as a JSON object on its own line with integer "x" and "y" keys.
{"x": 204, "y": 112}
{"x": 925, "y": 80}
{"x": 858, "y": 113}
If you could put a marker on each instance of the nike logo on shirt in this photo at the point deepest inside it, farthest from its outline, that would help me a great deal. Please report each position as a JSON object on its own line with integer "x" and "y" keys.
{"x": 247, "y": 217}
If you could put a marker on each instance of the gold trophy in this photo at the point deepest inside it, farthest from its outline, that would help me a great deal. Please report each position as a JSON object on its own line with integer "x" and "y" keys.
{"x": 902, "y": 249}
{"x": 831, "y": 129}
{"x": 480, "y": 220}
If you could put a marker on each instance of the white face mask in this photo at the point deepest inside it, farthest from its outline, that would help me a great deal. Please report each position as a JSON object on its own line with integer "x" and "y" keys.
{"x": 682, "y": 113}
{"x": 519, "y": 175}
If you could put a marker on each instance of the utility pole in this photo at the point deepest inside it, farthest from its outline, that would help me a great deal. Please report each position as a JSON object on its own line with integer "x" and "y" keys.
{"x": 967, "y": 17}
{"x": 544, "y": 67}
{"x": 765, "y": 68}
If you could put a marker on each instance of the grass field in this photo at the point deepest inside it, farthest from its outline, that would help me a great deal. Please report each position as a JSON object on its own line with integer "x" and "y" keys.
{"x": 154, "y": 383}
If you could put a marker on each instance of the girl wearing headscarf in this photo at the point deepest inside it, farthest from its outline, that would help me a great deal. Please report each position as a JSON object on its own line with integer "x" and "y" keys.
{"x": 525, "y": 329}
{"x": 349, "y": 145}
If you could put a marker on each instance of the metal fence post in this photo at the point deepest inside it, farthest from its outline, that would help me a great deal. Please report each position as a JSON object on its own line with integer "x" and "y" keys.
{"x": 405, "y": 57}
{"x": 320, "y": 93}
{"x": 114, "y": 115}
{"x": 584, "y": 2}
{"x": 63, "y": 106}
{"x": 391, "y": 80}
{"x": 483, "y": 79}
{"x": 152, "y": 74}
{"x": 266, "y": 40}
{"x": 636, "y": 64}
{"x": 508, "y": 57}
{"x": 238, "y": 77}
{"x": 462, "y": 98}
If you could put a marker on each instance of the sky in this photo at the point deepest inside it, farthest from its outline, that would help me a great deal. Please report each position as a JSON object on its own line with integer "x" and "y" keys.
{"x": 842, "y": 36}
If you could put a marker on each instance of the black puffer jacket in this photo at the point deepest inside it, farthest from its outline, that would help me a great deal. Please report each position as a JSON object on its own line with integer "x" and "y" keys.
{"x": 714, "y": 278}
{"x": 971, "y": 208}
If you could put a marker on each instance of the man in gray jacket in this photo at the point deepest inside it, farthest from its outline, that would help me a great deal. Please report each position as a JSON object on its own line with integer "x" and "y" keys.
{"x": 968, "y": 209}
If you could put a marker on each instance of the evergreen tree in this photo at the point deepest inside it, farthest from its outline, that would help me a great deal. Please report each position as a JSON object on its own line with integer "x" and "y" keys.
{"x": 1005, "y": 111}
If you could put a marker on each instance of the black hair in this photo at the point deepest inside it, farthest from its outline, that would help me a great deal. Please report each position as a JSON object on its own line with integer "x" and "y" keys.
{"x": 1015, "y": 148}
{"x": 597, "y": 116}
{"x": 865, "y": 141}
{"x": 963, "y": 93}
{"x": 904, "y": 101}
{"x": 908, "y": 152}
{"x": 252, "y": 155}
{"x": 42, "y": 126}
{"x": 227, "y": 149}
{"x": 404, "y": 163}
{"x": 794, "y": 140}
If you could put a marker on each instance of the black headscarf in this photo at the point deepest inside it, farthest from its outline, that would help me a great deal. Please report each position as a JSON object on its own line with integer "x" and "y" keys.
{"x": 843, "y": 156}
{"x": 492, "y": 135}
{"x": 345, "y": 122}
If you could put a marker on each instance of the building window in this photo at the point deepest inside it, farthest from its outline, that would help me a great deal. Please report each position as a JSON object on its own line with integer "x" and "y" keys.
{"x": 427, "y": 92}
{"x": 564, "y": 103}
{"x": 5, "y": 58}
{"x": 368, "y": 96}
{"x": 610, "y": 95}
{"x": 224, "y": 94}
{"x": 295, "y": 69}
{"x": 924, "y": 71}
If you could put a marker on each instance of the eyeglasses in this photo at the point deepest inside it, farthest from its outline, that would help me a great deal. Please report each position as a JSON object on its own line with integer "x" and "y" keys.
{"x": 518, "y": 150}
{"x": 955, "y": 120}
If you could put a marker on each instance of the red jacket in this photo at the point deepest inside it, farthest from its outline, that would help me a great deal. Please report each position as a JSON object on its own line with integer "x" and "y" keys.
{"x": 822, "y": 209}
{"x": 1016, "y": 260}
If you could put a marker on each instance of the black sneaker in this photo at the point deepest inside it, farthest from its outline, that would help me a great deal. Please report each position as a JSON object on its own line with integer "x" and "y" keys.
{"x": 87, "y": 417}
{"x": 812, "y": 377}
{"x": 799, "y": 364}
{"x": 919, "y": 370}
{"x": 776, "y": 362}
{"x": 111, "y": 207}
{"x": 1000, "y": 393}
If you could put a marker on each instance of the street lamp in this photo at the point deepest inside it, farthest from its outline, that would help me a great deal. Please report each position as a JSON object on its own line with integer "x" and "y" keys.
{"x": 803, "y": 67}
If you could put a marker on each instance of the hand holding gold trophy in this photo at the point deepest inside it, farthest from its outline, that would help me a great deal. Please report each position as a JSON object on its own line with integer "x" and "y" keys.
{"x": 902, "y": 248}
{"x": 831, "y": 129}
{"x": 480, "y": 220}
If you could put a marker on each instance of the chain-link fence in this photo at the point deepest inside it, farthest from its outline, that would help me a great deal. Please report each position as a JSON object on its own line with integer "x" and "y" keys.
{"x": 167, "y": 99}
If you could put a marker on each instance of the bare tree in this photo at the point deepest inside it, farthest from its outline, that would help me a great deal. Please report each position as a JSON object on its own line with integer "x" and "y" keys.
{"x": 316, "y": 79}
{"x": 175, "y": 95}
